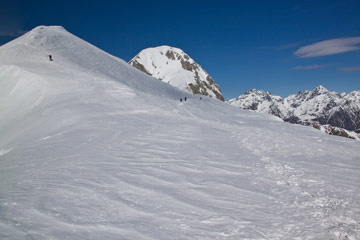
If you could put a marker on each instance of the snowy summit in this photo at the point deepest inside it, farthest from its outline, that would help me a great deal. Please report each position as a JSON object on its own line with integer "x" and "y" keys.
{"x": 92, "y": 148}
{"x": 174, "y": 66}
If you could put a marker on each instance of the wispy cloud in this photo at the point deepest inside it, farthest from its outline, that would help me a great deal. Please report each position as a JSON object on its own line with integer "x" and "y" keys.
{"x": 11, "y": 33}
{"x": 350, "y": 69}
{"x": 8, "y": 33}
{"x": 329, "y": 47}
{"x": 11, "y": 28}
{"x": 309, "y": 67}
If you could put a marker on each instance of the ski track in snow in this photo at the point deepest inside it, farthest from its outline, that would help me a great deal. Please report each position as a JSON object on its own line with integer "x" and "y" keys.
{"x": 317, "y": 198}
{"x": 101, "y": 157}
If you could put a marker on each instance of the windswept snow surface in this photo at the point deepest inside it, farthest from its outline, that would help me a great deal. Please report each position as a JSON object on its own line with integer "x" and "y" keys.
{"x": 91, "y": 148}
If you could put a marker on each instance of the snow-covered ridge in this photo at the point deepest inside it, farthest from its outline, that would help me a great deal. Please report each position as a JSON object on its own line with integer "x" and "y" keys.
{"x": 92, "y": 148}
{"x": 318, "y": 106}
{"x": 70, "y": 51}
{"x": 172, "y": 65}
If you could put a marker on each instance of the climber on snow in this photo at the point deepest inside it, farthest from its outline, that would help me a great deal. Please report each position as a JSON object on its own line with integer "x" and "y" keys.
{"x": 50, "y": 58}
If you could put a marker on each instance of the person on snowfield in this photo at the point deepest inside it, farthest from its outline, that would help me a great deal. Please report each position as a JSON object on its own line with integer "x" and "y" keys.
{"x": 50, "y": 58}
{"x": 180, "y": 99}
{"x": 185, "y": 99}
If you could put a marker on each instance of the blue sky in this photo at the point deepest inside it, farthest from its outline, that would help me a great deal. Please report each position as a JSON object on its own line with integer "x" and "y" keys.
{"x": 279, "y": 46}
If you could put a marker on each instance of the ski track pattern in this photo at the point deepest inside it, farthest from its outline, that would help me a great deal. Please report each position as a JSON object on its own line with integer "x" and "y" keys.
{"x": 187, "y": 191}
{"x": 318, "y": 199}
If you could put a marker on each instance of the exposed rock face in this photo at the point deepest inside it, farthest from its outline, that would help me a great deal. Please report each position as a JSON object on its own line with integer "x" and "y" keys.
{"x": 174, "y": 66}
{"x": 331, "y": 130}
{"x": 316, "y": 107}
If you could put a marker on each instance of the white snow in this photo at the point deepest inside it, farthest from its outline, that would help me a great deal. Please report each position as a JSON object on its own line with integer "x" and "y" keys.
{"x": 92, "y": 148}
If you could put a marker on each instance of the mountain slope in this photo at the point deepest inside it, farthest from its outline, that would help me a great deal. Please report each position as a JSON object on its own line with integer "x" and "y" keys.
{"x": 316, "y": 107}
{"x": 173, "y": 66}
{"x": 91, "y": 148}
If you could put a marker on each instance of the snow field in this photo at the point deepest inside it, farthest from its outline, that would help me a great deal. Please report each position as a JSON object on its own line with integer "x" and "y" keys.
{"x": 94, "y": 149}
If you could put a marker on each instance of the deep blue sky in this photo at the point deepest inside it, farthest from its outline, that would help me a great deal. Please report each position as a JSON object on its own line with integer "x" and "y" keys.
{"x": 242, "y": 44}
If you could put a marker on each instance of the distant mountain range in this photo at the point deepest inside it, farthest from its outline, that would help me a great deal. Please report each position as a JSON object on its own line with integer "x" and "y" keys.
{"x": 174, "y": 66}
{"x": 331, "y": 112}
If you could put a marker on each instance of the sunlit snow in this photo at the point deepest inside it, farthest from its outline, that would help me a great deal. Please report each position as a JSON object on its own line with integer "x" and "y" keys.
{"x": 91, "y": 148}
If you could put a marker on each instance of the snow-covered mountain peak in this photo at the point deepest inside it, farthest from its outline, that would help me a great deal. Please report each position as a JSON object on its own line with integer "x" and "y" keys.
{"x": 257, "y": 92}
{"x": 47, "y": 30}
{"x": 259, "y": 95}
{"x": 44, "y": 36}
{"x": 172, "y": 65}
{"x": 318, "y": 95}
{"x": 320, "y": 89}
{"x": 260, "y": 101}
{"x": 162, "y": 50}
{"x": 165, "y": 49}
{"x": 48, "y": 39}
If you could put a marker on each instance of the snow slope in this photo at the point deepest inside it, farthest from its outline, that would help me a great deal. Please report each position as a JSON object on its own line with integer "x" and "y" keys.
{"x": 91, "y": 148}
{"x": 172, "y": 65}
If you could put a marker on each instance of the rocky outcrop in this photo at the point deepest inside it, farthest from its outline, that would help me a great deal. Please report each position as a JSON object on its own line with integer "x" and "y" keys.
{"x": 336, "y": 131}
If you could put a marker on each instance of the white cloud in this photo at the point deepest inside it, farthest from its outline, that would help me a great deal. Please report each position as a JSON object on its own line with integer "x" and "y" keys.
{"x": 315, "y": 66}
{"x": 350, "y": 69}
{"x": 329, "y": 47}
